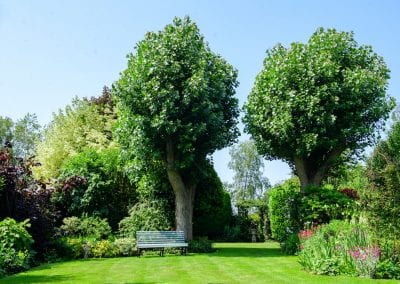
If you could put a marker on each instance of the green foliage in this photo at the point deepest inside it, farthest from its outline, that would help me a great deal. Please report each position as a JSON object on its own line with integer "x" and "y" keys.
{"x": 74, "y": 247}
{"x": 338, "y": 248}
{"x": 247, "y": 164}
{"x": 104, "y": 190}
{"x": 233, "y": 233}
{"x": 6, "y": 130}
{"x": 14, "y": 234}
{"x": 85, "y": 226}
{"x": 144, "y": 216}
{"x": 388, "y": 269}
{"x": 212, "y": 207}
{"x": 27, "y": 133}
{"x": 289, "y": 210}
{"x": 284, "y": 209}
{"x": 349, "y": 176}
{"x": 126, "y": 246}
{"x": 15, "y": 246}
{"x": 251, "y": 218}
{"x": 104, "y": 248}
{"x": 313, "y": 101}
{"x": 176, "y": 89}
{"x": 319, "y": 205}
{"x": 80, "y": 125}
{"x": 382, "y": 199}
{"x": 291, "y": 244}
{"x": 22, "y": 134}
{"x": 201, "y": 245}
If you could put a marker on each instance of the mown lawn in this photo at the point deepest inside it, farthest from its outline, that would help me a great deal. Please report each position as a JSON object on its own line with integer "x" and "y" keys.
{"x": 232, "y": 263}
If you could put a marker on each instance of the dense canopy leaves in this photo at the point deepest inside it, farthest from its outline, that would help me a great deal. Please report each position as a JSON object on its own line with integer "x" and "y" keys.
{"x": 312, "y": 101}
{"x": 175, "y": 89}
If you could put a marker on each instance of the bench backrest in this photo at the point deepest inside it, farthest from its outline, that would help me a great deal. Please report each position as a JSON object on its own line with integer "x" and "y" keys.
{"x": 160, "y": 237}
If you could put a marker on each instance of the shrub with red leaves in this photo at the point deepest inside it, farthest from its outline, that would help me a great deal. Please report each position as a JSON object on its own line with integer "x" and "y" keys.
{"x": 22, "y": 197}
{"x": 350, "y": 192}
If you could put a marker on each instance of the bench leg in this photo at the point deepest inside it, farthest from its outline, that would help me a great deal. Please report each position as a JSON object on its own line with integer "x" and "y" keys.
{"x": 138, "y": 252}
{"x": 162, "y": 252}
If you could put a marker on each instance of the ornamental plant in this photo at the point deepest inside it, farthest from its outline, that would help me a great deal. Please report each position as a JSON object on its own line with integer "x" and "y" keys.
{"x": 339, "y": 248}
{"x": 15, "y": 246}
{"x": 365, "y": 259}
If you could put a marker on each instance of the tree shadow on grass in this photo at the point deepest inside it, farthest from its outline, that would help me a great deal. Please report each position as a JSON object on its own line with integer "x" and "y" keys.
{"x": 247, "y": 252}
{"x": 36, "y": 278}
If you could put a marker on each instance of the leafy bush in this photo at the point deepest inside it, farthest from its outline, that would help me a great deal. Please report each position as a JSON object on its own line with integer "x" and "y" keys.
{"x": 21, "y": 197}
{"x": 284, "y": 209}
{"x": 103, "y": 248}
{"x": 232, "y": 233}
{"x": 290, "y": 210}
{"x": 15, "y": 246}
{"x": 72, "y": 247}
{"x": 126, "y": 246}
{"x": 319, "y": 205}
{"x": 144, "y": 216}
{"x": 388, "y": 269}
{"x": 201, "y": 245}
{"x": 94, "y": 182}
{"x": 85, "y": 226}
{"x": 291, "y": 244}
{"x": 212, "y": 207}
{"x": 338, "y": 248}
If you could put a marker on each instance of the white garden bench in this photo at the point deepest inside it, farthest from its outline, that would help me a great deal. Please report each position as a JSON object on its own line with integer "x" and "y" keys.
{"x": 161, "y": 240}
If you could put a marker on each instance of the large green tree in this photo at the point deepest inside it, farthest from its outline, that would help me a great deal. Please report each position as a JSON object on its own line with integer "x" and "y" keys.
{"x": 248, "y": 181}
{"x": 313, "y": 101}
{"x": 177, "y": 106}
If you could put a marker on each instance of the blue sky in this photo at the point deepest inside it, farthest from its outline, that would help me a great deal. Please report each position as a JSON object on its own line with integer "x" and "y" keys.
{"x": 51, "y": 51}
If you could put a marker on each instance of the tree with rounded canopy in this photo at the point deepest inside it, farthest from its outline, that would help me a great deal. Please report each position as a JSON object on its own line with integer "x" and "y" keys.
{"x": 177, "y": 106}
{"x": 311, "y": 102}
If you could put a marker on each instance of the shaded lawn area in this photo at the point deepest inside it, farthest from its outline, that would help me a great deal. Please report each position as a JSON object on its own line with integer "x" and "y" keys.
{"x": 232, "y": 263}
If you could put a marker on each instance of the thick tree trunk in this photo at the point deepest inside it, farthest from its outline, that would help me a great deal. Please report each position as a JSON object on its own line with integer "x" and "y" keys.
{"x": 184, "y": 196}
{"x": 311, "y": 175}
{"x": 301, "y": 171}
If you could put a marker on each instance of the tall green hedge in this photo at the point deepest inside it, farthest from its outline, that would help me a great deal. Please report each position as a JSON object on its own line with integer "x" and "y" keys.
{"x": 283, "y": 209}
{"x": 212, "y": 207}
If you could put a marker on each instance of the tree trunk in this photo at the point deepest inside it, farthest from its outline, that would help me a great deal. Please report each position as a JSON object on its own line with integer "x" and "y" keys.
{"x": 301, "y": 171}
{"x": 184, "y": 196}
{"x": 310, "y": 175}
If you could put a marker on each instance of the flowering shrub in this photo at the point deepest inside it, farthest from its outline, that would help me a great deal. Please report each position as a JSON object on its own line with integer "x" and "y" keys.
{"x": 126, "y": 246}
{"x": 365, "y": 259}
{"x": 338, "y": 248}
{"x": 103, "y": 248}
